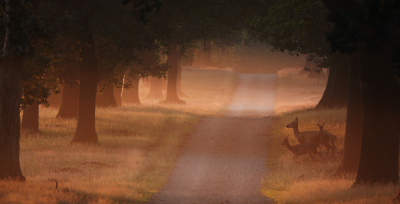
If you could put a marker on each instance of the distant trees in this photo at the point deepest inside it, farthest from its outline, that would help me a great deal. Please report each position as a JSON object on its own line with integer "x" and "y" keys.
{"x": 300, "y": 27}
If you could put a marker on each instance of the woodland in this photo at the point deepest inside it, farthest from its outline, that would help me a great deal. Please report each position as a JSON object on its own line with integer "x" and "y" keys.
{"x": 89, "y": 49}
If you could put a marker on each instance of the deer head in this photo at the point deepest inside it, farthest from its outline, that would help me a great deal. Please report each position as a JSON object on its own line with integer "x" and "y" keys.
{"x": 321, "y": 127}
{"x": 285, "y": 141}
{"x": 293, "y": 124}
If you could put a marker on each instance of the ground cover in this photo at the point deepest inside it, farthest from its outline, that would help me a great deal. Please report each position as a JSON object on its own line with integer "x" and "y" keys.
{"x": 307, "y": 181}
{"x": 139, "y": 146}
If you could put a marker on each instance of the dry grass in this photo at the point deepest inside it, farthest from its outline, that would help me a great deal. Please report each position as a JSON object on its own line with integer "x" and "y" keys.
{"x": 307, "y": 181}
{"x": 139, "y": 146}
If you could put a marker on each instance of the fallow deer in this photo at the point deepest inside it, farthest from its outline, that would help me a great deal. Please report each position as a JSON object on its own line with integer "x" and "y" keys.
{"x": 300, "y": 149}
{"x": 317, "y": 137}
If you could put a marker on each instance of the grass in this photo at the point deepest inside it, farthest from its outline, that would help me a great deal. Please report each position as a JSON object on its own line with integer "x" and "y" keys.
{"x": 139, "y": 146}
{"x": 307, "y": 181}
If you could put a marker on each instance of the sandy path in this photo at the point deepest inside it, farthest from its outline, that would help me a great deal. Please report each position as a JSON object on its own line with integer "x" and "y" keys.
{"x": 223, "y": 161}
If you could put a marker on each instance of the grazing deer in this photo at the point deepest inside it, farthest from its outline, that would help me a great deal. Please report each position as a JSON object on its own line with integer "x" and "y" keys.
{"x": 300, "y": 149}
{"x": 317, "y": 137}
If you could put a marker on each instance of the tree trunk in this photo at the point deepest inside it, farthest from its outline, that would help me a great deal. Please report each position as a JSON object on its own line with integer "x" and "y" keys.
{"x": 335, "y": 94}
{"x": 155, "y": 88}
{"x": 117, "y": 96}
{"x": 70, "y": 101}
{"x": 86, "y": 130}
{"x": 131, "y": 95}
{"x": 380, "y": 134}
{"x": 179, "y": 80}
{"x": 17, "y": 21}
{"x": 106, "y": 98}
{"x": 352, "y": 140}
{"x": 173, "y": 58}
{"x": 30, "y": 118}
{"x": 205, "y": 55}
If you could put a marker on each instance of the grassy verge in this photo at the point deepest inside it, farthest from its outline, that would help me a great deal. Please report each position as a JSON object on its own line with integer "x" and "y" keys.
{"x": 307, "y": 181}
{"x": 139, "y": 146}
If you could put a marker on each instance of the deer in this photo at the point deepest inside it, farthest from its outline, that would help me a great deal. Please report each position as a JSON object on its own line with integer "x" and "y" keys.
{"x": 300, "y": 149}
{"x": 327, "y": 137}
{"x": 317, "y": 137}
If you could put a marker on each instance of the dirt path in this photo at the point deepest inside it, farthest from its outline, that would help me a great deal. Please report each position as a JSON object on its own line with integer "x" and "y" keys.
{"x": 223, "y": 161}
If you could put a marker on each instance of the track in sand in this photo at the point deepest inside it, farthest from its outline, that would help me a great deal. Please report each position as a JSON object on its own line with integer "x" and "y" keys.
{"x": 223, "y": 161}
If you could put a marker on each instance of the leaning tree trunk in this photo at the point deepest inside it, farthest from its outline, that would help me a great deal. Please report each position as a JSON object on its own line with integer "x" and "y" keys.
{"x": 30, "y": 118}
{"x": 354, "y": 120}
{"x": 17, "y": 21}
{"x": 86, "y": 130}
{"x": 335, "y": 94}
{"x": 70, "y": 101}
{"x": 179, "y": 80}
{"x": 380, "y": 134}
{"x": 131, "y": 95}
{"x": 106, "y": 98}
{"x": 155, "y": 88}
{"x": 172, "y": 93}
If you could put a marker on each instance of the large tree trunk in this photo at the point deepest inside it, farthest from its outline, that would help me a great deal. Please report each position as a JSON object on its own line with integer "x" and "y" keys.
{"x": 354, "y": 120}
{"x": 205, "y": 55}
{"x": 17, "y": 21}
{"x": 380, "y": 135}
{"x": 30, "y": 118}
{"x": 131, "y": 95}
{"x": 70, "y": 101}
{"x": 179, "y": 80}
{"x": 85, "y": 130}
{"x": 155, "y": 88}
{"x": 106, "y": 98}
{"x": 172, "y": 93}
{"x": 335, "y": 94}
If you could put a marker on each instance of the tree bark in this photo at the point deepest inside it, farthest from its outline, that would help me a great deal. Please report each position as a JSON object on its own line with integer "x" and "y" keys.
{"x": 131, "y": 95}
{"x": 70, "y": 101}
{"x": 106, "y": 98}
{"x": 179, "y": 80}
{"x": 86, "y": 130}
{"x": 205, "y": 55}
{"x": 12, "y": 58}
{"x": 155, "y": 89}
{"x": 117, "y": 96}
{"x": 335, "y": 94}
{"x": 172, "y": 93}
{"x": 380, "y": 133}
{"x": 30, "y": 118}
{"x": 354, "y": 120}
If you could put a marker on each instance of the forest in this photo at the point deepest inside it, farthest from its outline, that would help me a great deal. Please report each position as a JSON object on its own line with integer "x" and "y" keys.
{"x": 185, "y": 101}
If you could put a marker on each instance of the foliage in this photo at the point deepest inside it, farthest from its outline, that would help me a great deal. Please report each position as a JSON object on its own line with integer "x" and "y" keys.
{"x": 375, "y": 23}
